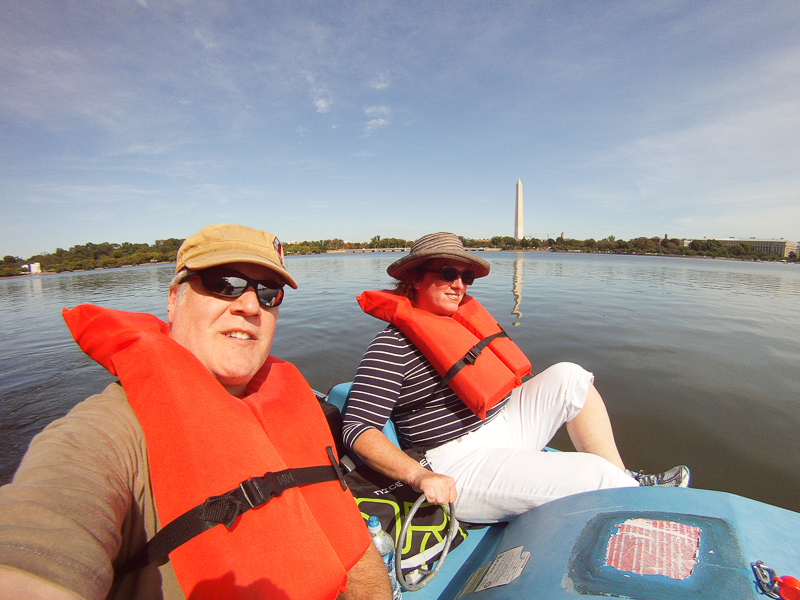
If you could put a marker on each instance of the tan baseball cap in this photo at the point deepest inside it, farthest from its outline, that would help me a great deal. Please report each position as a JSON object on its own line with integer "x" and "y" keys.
{"x": 221, "y": 244}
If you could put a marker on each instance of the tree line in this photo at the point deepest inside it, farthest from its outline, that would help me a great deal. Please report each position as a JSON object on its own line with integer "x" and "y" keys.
{"x": 95, "y": 256}
{"x": 105, "y": 255}
{"x": 322, "y": 246}
{"x": 642, "y": 245}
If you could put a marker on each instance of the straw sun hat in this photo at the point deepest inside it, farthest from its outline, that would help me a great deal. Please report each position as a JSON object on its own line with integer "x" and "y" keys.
{"x": 437, "y": 245}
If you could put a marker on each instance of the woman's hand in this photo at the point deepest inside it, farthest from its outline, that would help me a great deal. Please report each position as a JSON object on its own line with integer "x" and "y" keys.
{"x": 383, "y": 456}
{"x": 438, "y": 489}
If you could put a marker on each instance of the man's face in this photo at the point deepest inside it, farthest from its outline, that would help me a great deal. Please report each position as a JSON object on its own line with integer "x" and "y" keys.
{"x": 437, "y": 296}
{"x": 231, "y": 337}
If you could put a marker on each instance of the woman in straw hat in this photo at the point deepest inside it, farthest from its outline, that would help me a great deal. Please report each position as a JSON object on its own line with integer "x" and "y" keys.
{"x": 488, "y": 459}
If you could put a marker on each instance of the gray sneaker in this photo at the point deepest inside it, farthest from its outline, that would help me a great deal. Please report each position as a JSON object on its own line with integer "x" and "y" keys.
{"x": 675, "y": 477}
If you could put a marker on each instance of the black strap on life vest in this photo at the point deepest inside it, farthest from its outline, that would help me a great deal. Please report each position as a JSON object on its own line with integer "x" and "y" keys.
{"x": 225, "y": 509}
{"x": 471, "y": 356}
{"x": 468, "y": 359}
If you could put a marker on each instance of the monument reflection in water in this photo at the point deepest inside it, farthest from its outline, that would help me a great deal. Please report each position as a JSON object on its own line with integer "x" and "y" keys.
{"x": 516, "y": 289}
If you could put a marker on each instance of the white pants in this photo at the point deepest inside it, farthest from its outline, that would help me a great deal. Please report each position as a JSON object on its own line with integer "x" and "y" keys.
{"x": 501, "y": 471}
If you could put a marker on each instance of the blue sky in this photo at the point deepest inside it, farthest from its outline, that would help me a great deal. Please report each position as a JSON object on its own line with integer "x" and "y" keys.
{"x": 142, "y": 120}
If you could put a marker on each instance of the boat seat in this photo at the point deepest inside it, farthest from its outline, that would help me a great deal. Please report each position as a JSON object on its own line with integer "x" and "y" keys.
{"x": 338, "y": 397}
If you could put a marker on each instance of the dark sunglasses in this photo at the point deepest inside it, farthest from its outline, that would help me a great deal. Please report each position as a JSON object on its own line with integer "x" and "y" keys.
{"x": 229, "y": 284}
{"x": 450, "y": 274}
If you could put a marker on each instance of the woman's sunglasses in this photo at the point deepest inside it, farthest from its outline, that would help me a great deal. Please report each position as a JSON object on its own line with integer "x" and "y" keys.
{"x": 227, "y": 283}
{"x": 450, "y": 274}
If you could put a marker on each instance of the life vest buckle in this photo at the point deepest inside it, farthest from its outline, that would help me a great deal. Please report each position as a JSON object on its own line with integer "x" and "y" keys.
{"x": 472, "y": 355}
{"x": 259, "y": 490}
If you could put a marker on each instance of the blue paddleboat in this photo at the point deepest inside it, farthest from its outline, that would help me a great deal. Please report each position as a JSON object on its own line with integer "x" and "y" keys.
{"x": 647, "y": 543}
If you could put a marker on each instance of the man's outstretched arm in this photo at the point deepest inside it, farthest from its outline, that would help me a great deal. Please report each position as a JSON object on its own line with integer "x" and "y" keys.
{"x": 368, "y": 579}
{"x": 19, "y": 585}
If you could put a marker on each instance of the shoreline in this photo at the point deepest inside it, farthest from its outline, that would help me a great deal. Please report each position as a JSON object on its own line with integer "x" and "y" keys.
{"x": 389, "y": 250}
{"x": 165, "y": 262}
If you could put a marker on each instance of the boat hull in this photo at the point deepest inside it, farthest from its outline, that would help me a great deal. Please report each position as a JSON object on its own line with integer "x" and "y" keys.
{"x": 578, "y": 548}
{"x": 645, "y": 543}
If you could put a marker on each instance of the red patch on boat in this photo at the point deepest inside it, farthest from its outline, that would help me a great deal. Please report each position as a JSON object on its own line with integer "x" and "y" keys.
{"x": 647, "y": 547}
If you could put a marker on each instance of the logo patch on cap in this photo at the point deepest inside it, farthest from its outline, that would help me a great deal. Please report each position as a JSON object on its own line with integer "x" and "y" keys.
{"x": 279, "y": 249}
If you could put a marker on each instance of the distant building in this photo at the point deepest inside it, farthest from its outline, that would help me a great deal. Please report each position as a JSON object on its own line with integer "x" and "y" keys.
{"x": 34, "y": 268}
{"x": 780, "y": 247}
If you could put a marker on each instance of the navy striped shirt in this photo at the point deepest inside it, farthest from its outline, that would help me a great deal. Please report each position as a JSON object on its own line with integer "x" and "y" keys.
{"x": 395, "y": 379}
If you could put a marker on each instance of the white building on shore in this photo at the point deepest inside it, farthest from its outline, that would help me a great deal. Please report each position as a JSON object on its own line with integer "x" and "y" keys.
{"x": 781, "y": 247}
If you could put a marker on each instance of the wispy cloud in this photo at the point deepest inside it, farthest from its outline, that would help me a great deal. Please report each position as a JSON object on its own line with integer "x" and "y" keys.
{"x": 87, "y": 194}
{"x": 372, "y": 111}
{"x": 205, "y": 38}
{"x": 373, "y": 124}
{"x": 319, "y": 95}
{"x": 380, "y": 83}
{"x": 380, "y": 117}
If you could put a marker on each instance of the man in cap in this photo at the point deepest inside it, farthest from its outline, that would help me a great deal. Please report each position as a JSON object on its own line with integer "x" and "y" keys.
{"x": 206, "y": 438}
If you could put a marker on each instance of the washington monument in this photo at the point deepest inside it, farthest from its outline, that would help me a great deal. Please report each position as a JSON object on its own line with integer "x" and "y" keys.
{"x": 518, "y": 235}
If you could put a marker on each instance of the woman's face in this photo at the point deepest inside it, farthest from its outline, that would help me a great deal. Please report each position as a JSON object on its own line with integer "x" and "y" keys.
{"x": 435, "y": 295}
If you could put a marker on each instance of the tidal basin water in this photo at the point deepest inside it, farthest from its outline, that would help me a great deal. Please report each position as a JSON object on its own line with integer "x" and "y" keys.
{"x": 697, "y": 359}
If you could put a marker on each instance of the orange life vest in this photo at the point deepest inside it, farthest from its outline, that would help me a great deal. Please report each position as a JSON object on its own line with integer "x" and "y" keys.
{"x": 444, "y": 341}
{"x": 202, "y": 441}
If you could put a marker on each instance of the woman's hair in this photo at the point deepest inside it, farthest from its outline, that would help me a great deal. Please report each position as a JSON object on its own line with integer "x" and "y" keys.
{"x": 405, "y": 284}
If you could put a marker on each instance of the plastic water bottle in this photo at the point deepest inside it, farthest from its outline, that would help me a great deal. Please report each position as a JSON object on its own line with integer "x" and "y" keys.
{"x": 385, "y": 545}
